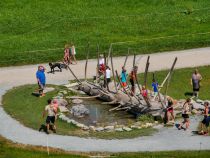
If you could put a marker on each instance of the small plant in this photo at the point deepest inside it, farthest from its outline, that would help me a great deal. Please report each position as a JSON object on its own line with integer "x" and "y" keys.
{"x": 146, "y": 118}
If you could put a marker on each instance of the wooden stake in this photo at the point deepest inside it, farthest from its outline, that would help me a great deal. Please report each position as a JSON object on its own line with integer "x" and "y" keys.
{"x": 88, "y": 50}
{"x": 146, "y": 72}
{"x": 126, "y": 58}
{"x": 113, "y": 72}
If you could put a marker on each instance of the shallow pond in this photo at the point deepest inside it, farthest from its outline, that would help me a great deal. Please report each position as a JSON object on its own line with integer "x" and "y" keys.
{"x": 99, "y": 115}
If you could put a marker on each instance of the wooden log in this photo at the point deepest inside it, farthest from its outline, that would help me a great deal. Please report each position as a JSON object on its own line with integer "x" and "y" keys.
{"x": 88, "y": 50}
{"x": 115, "y": 85}
{"x": 79, "y": 97}
{"x": 146, "y": 72}
{"x": 78, "y": 81}
{"x": 134, "y": 59}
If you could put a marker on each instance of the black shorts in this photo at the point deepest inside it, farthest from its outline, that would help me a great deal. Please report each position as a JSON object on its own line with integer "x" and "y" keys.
{"x": 132, "y": 82}
{"x": 108, "y": 80}
{"x": 196, "y": 89}
{"x": 185, "y": 116}
{"x": 50, "y": 119}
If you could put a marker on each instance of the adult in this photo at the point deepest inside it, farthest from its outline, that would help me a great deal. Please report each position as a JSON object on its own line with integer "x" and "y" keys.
{"x": 41, "y": 80}
{"x": 51, "y": 112}
{"x": 73, "y": 53}
{"x": 132, "y": 76}
{"x": 195, "y": 82}
{"x": 185, "y": 115}
{"x": 170, "y": 109}
{"x": 66, "y": 57}
{"x": 206, "y": 119}
{"x": 123, "y": 77}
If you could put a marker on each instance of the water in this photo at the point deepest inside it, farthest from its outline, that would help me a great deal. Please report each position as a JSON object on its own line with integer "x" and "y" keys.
{"x": 100, "y": 115}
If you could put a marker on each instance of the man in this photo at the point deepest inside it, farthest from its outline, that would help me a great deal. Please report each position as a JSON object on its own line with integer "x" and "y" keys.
{"x": 41, "y": 79}
{"x": 51, "y": 111}
{"x": 195, "y": 82}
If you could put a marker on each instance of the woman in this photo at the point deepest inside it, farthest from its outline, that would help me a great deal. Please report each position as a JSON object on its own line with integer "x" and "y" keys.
{"x": 66, "y": 55}
{"x": 185, "y": 115}
{"x": 73, "y": 53}
{"x": 205, "y": 121}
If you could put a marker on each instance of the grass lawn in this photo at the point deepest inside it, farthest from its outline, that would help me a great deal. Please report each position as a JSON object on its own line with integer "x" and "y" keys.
{"x": 12, "y": 150}
{"x": 36, "y": 31}
{"x": 27, "y": 109}
{"x": 180, "y": 86}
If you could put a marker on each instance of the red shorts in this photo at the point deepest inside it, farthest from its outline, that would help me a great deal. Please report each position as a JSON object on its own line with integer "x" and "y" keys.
{"x": 124, "y": 84}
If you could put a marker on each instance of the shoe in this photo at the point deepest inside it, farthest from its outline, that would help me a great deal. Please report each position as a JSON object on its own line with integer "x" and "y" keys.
{"x": 47, "y": 132}
{"x": 54, "y": 131}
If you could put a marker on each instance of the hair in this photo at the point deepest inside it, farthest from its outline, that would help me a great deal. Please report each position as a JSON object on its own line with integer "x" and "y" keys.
{"x": 49, "y": 101}
{"x": 188, "y": 100}
{"x": 206, "y": 103}
{"x": 50, "y": 64}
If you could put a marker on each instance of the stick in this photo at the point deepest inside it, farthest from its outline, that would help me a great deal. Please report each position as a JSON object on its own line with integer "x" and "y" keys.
{"x": 164, "y": 81}
{"x": 105, "y": 81}
{"x": 78, "y": 81}
{"x": 88, "y": 50}
{"x": 146, "y": 71}
{"x": 113, "y": 73}
{"x": 126, "y": 58}
{"x": 97, "y": 68}
{"x": 78, "y": 97}
{"x": 169, "y": 78}
{"x": 115, "y": 108}
{"x": 134, "y": 59}
{"x": 110, "y": 50}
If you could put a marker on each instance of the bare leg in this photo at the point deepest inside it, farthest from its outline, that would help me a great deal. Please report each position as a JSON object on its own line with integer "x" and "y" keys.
{"x": 48, "y": 128}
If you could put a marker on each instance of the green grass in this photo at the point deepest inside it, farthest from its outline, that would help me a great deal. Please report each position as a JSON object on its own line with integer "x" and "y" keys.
{"x": 27, "y": 109}
{"x": 12, "y": 150}
{"x": 27, "y": 26}
{"x": 180, "y": 82}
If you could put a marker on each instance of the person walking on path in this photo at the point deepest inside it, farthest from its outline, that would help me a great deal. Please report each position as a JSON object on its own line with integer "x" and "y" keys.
{"x": 123, "y": 77}
{"x": 170, "y": 110}
{"x": 73, "y": 53}
{"x": 51, "y": 112}
{"x": 195, "y": 82}
{"x": 185, "y": 115}
{"x": 41, "y": 80}
{"x": 67, "y": 59}
{"x": 206, "y": 120}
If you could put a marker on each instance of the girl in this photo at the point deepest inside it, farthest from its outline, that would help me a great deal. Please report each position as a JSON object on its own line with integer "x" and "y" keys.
{"x": 66, "y": 55}
{"x": 73, "y": 53}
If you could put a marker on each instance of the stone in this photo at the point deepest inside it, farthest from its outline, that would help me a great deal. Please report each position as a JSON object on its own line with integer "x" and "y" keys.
{"x": 79, "y": 110}
{"x": 134, "y": 127}
{"x": 85, "y": 128}
{"x": 194, "y": 111}
{"x": 127, "y": 129}
{"x": 92, "y": 128}
{"x": 198, "y": 106}
{"x": 71, "y": 85}
{"x": 62, "y": 102}
{"x": 77, "y": 101}
{"x": 48, "y": 89}
{"x": 99, "y": 129}
{"x": 109, "y": 128}
{"x": 119, "y": 129}
{"x": 63, "y": 109}
{"x": 80, "y": 125}
{"x": 199, "y": 101}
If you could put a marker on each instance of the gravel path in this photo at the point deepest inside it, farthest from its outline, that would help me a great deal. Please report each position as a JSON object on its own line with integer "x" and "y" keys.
{"x": 165, "y": 139}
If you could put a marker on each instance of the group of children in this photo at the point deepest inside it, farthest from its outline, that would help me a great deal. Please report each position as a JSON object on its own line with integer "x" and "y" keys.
{"x": 69, "y": 54}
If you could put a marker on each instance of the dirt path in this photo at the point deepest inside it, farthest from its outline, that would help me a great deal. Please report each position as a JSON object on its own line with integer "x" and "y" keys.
{"x": 165, "y": 139}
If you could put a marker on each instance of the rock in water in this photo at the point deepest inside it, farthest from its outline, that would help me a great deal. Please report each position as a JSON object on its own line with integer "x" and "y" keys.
{"x": 62, "y": 102}
{"x": 79, "y": 110}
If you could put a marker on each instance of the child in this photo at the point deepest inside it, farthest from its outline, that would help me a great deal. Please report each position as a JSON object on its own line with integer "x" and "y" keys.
{"x": 132, "y": 76}
{"x": 155, "y": 88}
{"x": 124, "y": 77}
{"x": 205, "y": 121}
{"x": 170, "y": 109}
{"x": 73, "y": 52}
{"x": 66, "y": 55}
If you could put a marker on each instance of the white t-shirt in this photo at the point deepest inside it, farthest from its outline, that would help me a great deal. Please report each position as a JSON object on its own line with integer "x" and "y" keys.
{"x": 101, "y": 61}
{"x": 108, "y": 73}
{"x": 50, "y": 110}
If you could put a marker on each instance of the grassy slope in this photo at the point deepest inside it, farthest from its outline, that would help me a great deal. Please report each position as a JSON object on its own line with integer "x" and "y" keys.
{"x": 48, "y": 24}
{"x": 28, "y": 110}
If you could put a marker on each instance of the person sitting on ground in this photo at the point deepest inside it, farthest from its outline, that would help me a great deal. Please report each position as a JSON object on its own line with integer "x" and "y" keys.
{"x": 123, "y": 77}
{"x": 108, "y": 77}
{"x": 185, "y": 115}
{"x": 206, "y": 119}
{"x": 41, "y": 80}
{"x": 195, "y": 82}
{"x": 132, "y": 76}
{"x": 67, "y": 59}
{"x": 73, "y": 53}
{"x": 170, "y": 109}
{"x": 51, "y": 114}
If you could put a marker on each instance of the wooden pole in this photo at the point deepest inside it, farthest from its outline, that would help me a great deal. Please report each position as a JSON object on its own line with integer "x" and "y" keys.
{"x": 134, "y": 59}
{"x": 146, "y": 72}
{"x": 88, "y": 51}
{"x": 126, "y": 58}
{"x": 109, "y": 54}
{"x": 115, "y": 85}
{"x": 97, "y": 68}
{"x": 105, "y": 80}
{"x": 169, "y": 78}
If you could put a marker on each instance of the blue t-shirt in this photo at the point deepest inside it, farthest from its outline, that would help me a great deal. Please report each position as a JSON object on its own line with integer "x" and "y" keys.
{"x": 123, "y": 76}
{"x": 41, "y": 76}
{"x": 155, "y": 86}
